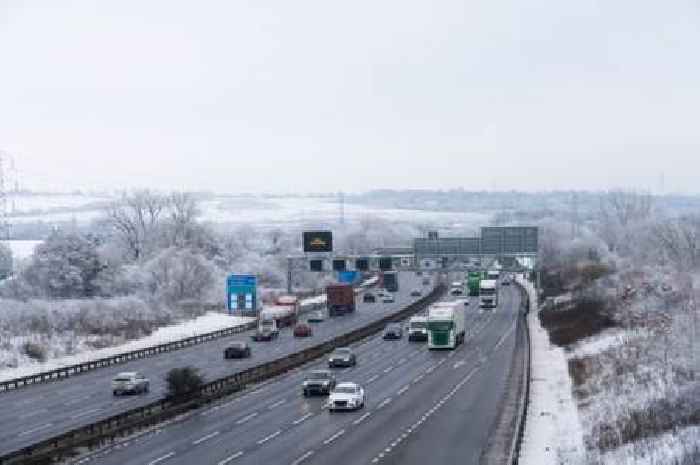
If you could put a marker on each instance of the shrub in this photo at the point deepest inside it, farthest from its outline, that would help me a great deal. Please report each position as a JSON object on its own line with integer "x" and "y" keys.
{"x": 184, "y": 382}
{"x": 35, "y": 351}
{"x": 586, "y": 317}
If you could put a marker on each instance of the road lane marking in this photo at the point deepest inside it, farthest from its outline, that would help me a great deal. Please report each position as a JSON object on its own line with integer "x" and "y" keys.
{"x": 300, "y": 420}
{"x": 85, "y": 413}
{"x": 247, "y": 418}
{"x": 372, "y": 379}
{"x": 160, "y": 459}
{"x": 303, "y": 457}
{"x": 32, "y": 414}
{"x": 388, "y": 369}
{"x": 206, "y": 438}
{"x": 361, "y": 419}
{"x": 334, "y": 437}
{"x": 229, "y": 459}
{"x": 270, "y": 437}
{"x": 384, "y": 402}
{"x": 34, "y": 430}
{"x": 459, "y": 364}
{"x": 418, "y": 378}
{"x": 277, "y": 404}
{"x": 403, "y": 389}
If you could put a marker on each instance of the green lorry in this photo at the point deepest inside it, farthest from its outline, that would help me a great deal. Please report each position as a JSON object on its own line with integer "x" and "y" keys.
{"x": 473, "y": 281}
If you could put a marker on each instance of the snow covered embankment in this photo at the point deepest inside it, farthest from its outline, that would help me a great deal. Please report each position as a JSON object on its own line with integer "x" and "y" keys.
{"x": 207, "y": 323}
{"x": 553, "y": 433}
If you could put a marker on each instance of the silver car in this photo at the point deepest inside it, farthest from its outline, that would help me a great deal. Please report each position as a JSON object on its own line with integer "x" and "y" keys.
{"x": 346, "y": 396}
{"x": 130, "y": 382}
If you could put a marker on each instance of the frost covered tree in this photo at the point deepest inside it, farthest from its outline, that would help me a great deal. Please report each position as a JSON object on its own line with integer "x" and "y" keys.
{"x": 622, "y": 217}
{"x": 64, "y": 266}
{"x": 5, "y": 261}
{"x": 679, "y": 241}
{"x": 134, "y": 220}
{"x": 176, "y": 275}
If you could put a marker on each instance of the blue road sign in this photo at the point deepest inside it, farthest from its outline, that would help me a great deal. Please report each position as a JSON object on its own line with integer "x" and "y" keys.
{"x": 347, "y": 276}
{"x": 241, "y": 292}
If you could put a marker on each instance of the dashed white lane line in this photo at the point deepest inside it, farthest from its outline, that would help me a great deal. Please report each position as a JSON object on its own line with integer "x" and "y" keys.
{"x": 85, "y": 413}
{"x": 303, "y": 457}
{"x": 334, "y": 437}
{"x": 247, "y": 418}
{"x": 206, "y": 438}
{"x": 32, "y": 414}
{"x": 276, "y": 404}
{"x": 458, "y": 364}
{"x": 300, "y": 420}
{"x": 384, "y": 402}
{"x": 418, "y": 378}
{"x": 372, "y": 379}
{"x": 160, "y": 459}
{"x": 361, "y": 419}
{"x": 403, "y": 389}
{"x": 270, "y": 437}
{"x": 34, "y": 430}
{"x": 231, "y": 458}
{"x": 387, "y": 370}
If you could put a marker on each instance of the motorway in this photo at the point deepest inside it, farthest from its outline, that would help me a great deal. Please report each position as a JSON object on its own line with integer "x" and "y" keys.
{"x": 422, "y": 407}
{"x": 42, "y": 411}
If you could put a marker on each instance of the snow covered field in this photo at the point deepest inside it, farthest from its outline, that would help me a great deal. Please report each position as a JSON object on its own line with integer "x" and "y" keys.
{"x": 21, "y": 249}
{"x": 261, "y": 212}
{"x": 206, "y": 323}
{"x": 301, "y": 211}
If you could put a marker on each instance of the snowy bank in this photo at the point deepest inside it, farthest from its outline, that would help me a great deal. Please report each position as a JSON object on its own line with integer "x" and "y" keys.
{"x": 553, "y": 433}
{"x": 209, "y": 322}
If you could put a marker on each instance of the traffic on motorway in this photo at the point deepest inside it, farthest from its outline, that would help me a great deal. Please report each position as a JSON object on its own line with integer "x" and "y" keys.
{"x": 364, "y": 403}
{"x": 42, "y": 411}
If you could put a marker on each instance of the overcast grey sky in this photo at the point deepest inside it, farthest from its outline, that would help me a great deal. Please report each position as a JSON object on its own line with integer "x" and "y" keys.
{"x": 282, "y": 95}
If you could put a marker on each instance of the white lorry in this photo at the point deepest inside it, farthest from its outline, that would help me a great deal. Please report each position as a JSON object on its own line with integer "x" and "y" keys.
{"x": 418, "y": 328}
{"x": 446, "y": 326}
{"x": 488, "y": 293}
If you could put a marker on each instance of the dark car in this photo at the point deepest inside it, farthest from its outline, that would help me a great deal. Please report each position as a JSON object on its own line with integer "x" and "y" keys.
{"x": 456, "y": 291}
{"x": 393, "y": 331}
{"x": 426, "y": 282}
{"x": 318, "y": 382}
{"x": 369, "y": 298}
{"x": 505, "y": 282}
{"x": 415, "y": 293}
{"x": 237, "y": 350}
{"x": 303, "y": 330}
{"x": 342, "y": 357}
{"x": 264, "y": 335}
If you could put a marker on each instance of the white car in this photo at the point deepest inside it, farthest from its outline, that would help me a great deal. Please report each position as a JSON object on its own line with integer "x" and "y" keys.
{"x": 130, "y": 382}
{"x": 346, "y": 396}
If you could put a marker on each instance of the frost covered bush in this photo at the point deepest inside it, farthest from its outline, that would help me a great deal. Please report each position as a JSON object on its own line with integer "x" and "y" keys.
{"x": 34, "y": 351}
{"x": 5, "y": 261}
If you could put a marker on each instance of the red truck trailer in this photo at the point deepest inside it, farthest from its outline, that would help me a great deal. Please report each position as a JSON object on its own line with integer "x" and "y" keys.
{"x": 340, "y": 299}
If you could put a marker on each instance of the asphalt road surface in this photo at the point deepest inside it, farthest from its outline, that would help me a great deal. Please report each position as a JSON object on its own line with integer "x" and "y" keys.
{"x": 45, "y": 410}
{"x": 422, "y": 406}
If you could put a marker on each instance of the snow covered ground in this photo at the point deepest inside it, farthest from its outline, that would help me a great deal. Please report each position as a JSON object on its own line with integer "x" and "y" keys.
{"x": 306, "y": 210}
{"x": 263, "y": 212}
{"x": 21, "y": 249}
{"x": 21, "y": 203}
{"x": 553, "y": 433}
{"x": 206, "y": 323}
